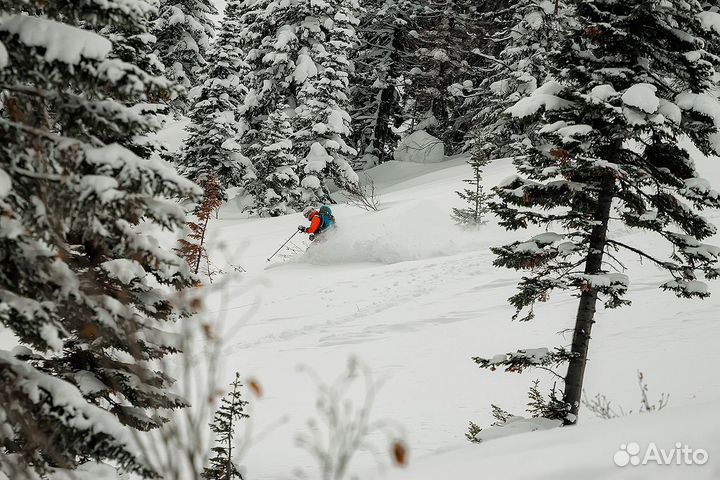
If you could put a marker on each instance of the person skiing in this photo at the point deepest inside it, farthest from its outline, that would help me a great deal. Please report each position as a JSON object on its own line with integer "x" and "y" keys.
{"x": 320, "y": 221}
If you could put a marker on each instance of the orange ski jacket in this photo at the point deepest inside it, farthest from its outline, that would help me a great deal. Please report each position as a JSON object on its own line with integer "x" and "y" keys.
{"x": 315, "y": 222}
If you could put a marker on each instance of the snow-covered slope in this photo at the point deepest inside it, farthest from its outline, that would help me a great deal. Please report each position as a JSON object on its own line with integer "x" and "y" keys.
{"x": 414, "y": 297}
{"x": 597, "y": 451}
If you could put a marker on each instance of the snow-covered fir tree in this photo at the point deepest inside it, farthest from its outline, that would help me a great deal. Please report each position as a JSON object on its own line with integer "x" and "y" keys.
{"x": 299, "y": 53}
{"x": 270, "y": 43}
{"x": 225, "y": 422}
{"x": 476, "y": 197}
{"x": 82, "y": 288}
{"x": 633, "y": 79}
{"x": 444, "y": 37}
{"x": 212, "y": 149}
{"x": 322, "y": 121}
{"x": 274, "y": 183}
{"x": 136, "y": 45}
{"x": 184, "y": 30}
{"x": 376, "y": 82}
{"x": 528, "y": 32}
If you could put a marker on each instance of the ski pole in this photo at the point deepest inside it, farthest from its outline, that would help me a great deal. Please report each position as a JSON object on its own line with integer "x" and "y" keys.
{"x": 281, "y": 246}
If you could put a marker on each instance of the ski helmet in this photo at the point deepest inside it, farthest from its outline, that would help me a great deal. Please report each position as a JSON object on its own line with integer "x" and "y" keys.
{"x": 307, "y": 212}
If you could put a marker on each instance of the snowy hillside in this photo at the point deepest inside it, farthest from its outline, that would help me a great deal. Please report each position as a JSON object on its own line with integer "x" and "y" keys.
{"x": 414, "y": 297}
{"x": 178, "y": 301}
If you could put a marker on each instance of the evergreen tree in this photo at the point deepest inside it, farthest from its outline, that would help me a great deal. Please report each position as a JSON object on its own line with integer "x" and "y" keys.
{"x": 275, "y": 183}
{"x": 376, "y": 83}
{"x": 82, "y": 288}
{"x": 184, "y": 29}
{"x": 475, "y": 196}
{"x": 633, "y": 78}
{"x": 230, "y": 412}
{"x": 322, "y": 121}
{"x": 528, "y": 31}
{"x": 268, "y": 37}
{"x": 136, "y": 45}
{"x": 298, "y": 53}
{"x": 212, "y": 149}
{"x": 446, "y": 36}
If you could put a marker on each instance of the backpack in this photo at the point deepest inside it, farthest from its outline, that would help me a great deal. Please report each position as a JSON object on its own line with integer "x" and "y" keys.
{"x": 326, "y": 218}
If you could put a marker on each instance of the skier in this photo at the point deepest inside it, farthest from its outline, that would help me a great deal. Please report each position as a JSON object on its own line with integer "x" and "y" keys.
{"x": 320, "y": 221}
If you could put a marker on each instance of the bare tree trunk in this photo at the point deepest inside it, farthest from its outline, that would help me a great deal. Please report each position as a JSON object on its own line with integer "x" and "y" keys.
{"x": 477, "y": 194}
{"x": 228, "y": 466}
{"x": 588, "y": 299}
{"x": 196, "y": 269}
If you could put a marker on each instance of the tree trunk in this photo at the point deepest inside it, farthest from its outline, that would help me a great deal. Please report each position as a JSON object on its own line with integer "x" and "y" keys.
{"x": 383, "y": 136}
{"x": 588, "y": 299}
{"x": 201, "y": 246}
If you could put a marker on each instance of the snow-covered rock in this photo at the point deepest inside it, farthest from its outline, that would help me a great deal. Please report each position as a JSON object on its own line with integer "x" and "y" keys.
{"x": 420, "y": 147}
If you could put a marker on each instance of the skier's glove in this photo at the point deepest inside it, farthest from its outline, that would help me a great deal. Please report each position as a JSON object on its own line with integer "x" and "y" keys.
{"x": 301, "y": 228}
{"x": 311, "y": 237}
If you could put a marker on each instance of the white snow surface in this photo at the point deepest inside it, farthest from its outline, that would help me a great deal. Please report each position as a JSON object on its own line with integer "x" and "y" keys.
{"x": 415, "y": 297}
{"x": 585, "y": 451}
{"x": 710, "y": 21}
{"x": 515, "y": 425}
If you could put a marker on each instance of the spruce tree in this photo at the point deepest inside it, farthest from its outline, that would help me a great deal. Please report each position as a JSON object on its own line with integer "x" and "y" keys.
{"x": 274, "y": 183}
{"x": 212, "y": 149}
{"x": 322, "y": 122}
{"x": 83, "y": 289}
{"x": 476, "y": 197}
{"x": 298, "y": 53}
{"x": 224, "y": 424}
{"x": 376, "y": 83}
{"x": 633, "y": 79}
{"x": 268, "y": 39}
{"x": 445, "y": 39}
{"x": 136, "y": 45}
{"x": 184, "y": 30}
{"x": 528, "y": 31}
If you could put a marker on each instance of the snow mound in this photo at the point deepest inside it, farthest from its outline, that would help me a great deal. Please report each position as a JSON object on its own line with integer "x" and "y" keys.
{"x": 420, "y": 147}
{"x": 515, "y": 425}
{"x": 595, "y": 451}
